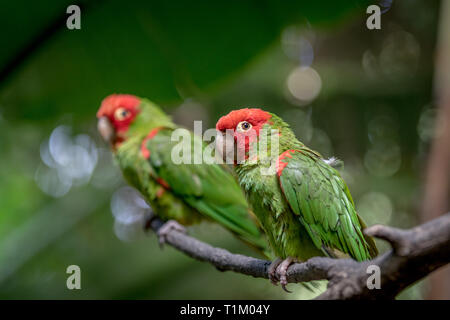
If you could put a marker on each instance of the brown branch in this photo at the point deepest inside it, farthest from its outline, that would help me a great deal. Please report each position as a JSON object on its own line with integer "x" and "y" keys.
{"x": 416, "y": 253}
{"x": 437, "y": 175}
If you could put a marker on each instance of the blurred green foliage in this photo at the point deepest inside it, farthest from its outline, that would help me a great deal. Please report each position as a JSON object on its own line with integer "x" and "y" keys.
{"x": 198, "y": 60}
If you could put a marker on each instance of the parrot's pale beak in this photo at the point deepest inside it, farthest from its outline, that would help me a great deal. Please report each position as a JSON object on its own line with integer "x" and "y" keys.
{"x": 225, "y": 147}
{"x": 106, "y": 130}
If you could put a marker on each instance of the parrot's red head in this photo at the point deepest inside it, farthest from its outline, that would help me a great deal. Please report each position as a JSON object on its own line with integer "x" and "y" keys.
{"x": 115, "y": 115}
{"x": 244, "y": 124}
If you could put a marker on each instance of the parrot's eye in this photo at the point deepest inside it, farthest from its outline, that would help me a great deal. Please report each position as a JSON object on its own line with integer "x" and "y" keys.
{"x": 121, "y": 114}
{"x": 243, "y": 126}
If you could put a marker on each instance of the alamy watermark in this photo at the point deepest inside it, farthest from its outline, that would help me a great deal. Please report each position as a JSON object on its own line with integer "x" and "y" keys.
{"x": 231, "y": 147}
{"x": 73, "y": 22}
{"x": 374, "y": 280}
{"x": 74, "y": 280}
{"x": 374, "y": 20}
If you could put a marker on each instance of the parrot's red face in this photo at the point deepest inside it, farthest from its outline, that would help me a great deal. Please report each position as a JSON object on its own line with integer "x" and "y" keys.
{"x": 115, "y": 115}
{"x": 244, "y": 126}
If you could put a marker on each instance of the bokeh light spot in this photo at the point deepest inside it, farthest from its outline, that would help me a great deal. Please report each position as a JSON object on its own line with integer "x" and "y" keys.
{"x": 304, "y": 83}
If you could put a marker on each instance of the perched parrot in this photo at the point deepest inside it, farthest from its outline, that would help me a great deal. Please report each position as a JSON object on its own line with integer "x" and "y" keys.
{"x": 303, "y": 205}
{"x": 139, "y": 133}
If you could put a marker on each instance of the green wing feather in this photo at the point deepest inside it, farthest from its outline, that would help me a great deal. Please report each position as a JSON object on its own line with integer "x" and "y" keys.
{"x": 318, "y": 195}
{"x": 209, "y": 188}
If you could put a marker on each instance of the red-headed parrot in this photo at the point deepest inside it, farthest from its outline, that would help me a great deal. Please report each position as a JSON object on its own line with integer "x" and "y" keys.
{"x": 303, "y": 205}
{"x": 139, "y": 133}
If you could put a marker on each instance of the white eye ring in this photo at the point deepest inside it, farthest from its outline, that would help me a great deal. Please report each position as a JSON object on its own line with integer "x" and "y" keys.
{"x": 243, "y": 126}
{"x": 121, "y": 114}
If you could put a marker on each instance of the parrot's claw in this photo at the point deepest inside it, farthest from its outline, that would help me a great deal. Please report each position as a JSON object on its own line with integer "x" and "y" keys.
{"x": 273, "y": 277}
{"x": 282, "y": 271}
{"x": 166, "y": 228}
{"x": 277, "y": 272}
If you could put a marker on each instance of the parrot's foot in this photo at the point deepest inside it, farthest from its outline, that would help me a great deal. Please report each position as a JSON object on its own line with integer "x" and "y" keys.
{"x": 166, "y": 228}
{"x": 277, "y": 271}
{"x": 282, "y": 270}
{"x": 273, "y": 277}
{"x": 148, "y": 219}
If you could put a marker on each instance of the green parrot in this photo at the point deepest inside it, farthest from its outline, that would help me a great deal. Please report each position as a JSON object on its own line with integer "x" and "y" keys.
{"x": 139, "y": 133}
{"x": 302, "y": 202}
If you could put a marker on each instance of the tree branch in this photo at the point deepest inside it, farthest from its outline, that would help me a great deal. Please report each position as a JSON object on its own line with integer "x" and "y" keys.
{"x": 416, "y": 253}
{"x": 437, "y": 183}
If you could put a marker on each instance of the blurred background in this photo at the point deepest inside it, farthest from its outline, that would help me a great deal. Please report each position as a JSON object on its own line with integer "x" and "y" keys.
{"x": 369, "y": 97}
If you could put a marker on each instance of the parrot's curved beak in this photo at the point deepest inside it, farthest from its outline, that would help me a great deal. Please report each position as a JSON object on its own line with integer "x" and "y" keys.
{"x": 106, "y": 130}
{"x": 225, "y": 147}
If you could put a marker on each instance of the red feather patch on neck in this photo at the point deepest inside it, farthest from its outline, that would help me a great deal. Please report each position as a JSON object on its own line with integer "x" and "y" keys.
{"x": 256, "y": 117}
{"x": 282, "y": 161}
{"x": 144, "y": 151}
